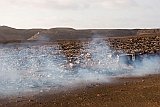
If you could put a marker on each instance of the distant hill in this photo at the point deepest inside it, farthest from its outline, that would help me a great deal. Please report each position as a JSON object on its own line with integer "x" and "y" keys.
{"x": 12, "y": 34}
{"x": 69, "y": 33}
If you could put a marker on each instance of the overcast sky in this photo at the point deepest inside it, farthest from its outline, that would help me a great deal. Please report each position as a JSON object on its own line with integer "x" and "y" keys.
{"x": 80, "y": 13}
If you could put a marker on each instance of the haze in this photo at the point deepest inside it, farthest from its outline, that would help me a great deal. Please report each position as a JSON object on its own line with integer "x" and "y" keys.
{"x": 80, "y": 13}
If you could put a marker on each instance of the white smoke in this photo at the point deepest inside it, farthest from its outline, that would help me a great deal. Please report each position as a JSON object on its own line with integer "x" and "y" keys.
{"x": 43, "y": 67}
{"x": 147, "y": 66}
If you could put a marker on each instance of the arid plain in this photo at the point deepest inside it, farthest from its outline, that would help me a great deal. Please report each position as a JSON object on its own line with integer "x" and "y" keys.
{"x": 123, "y": 91}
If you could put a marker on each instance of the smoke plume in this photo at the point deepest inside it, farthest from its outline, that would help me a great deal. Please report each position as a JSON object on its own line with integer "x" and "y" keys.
{"x": 28, "y": 68}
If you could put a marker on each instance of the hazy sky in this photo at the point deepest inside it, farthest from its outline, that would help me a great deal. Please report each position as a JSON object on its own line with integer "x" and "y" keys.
{"x": 80, "y": 13}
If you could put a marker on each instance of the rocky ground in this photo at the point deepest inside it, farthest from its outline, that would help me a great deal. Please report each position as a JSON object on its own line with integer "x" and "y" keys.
{"x": 132, "y": 91}
{"x": 124, "y": 92}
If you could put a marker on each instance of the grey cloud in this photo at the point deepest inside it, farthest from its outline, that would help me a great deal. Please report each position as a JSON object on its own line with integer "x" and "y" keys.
{"x": 84, "y": 4}
{"x": 118, "y": 4}
{"x": 70, "y": 4}
{"x": 47, "y": 4}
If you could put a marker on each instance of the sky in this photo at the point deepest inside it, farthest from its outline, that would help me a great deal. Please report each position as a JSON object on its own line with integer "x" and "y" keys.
{"x": 80, "y": 14}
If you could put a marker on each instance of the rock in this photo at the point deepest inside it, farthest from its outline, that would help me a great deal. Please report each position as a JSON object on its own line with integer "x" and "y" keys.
{"x": 31, "y": 100}
{"x": 98, "y": 95}
{"x": 41, "y": 91}
{"x": 143, "y": 80}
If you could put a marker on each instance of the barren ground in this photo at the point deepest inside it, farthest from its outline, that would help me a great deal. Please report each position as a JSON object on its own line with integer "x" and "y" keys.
{"x": 124, "y": 92}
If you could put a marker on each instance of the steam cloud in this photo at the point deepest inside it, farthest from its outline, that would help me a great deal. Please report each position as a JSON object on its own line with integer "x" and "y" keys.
{"x": 42, "y": 67}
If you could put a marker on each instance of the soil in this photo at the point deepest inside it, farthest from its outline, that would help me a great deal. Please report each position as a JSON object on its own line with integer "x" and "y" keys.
{"x": 123, "y": 92}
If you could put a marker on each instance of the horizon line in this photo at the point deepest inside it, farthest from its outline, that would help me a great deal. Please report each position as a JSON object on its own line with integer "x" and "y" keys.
{"x": 67, "y": 27}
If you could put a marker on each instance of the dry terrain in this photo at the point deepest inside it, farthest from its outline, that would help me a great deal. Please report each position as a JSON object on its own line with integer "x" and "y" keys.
{"x": 122, "y": 92}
